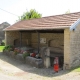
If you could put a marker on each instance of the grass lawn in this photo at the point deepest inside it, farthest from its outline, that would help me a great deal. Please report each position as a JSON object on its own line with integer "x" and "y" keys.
{"x": 1, "y": 48}
{"x": 77, "y": 69}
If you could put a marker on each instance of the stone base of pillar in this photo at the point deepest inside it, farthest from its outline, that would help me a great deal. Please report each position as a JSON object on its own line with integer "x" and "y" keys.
{"x": 66, "y": 66}
{"x": 47, "y": 58}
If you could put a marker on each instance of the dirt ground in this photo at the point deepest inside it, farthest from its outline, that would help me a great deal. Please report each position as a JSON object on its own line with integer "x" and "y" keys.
{"x": 11, "y": 69}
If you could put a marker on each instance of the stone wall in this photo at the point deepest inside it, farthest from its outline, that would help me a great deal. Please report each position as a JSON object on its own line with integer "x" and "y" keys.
{"x": 55, "y": 40}
{"x": 52, "y": 39}
{"x": 10, "y": 36}
{"x": 72, "y": 48}
{"x": 26, "y": 39}
{"x": 75, "y": 47}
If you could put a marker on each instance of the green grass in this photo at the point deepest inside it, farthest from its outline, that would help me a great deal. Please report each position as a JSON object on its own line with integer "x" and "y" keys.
{"x": 1, "y": 48}
{"x": 77, "y": 69}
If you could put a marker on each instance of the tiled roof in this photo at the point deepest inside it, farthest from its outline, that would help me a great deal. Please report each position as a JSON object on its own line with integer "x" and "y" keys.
{"x": 51, "y": 22}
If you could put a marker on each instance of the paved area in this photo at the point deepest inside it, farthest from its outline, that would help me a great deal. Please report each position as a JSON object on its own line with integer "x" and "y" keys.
{"x": 11, "y": 69}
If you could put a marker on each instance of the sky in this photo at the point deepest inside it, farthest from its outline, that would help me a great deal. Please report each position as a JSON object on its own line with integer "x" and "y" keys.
{"x": 45, "y": 7}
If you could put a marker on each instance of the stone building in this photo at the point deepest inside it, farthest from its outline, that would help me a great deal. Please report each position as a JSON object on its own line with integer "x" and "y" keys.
{"x": 60, "y": 33}
{"x": 2, "y": 34}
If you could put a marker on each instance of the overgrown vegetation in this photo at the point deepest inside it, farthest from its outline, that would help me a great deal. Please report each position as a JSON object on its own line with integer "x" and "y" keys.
{"x": 8, "y": 47}
{"x": 1, "y": 48}
{"x": 25, "y": 54}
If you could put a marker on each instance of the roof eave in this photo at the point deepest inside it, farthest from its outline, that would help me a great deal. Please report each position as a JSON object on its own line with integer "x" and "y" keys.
{"x": 37, "y": 28}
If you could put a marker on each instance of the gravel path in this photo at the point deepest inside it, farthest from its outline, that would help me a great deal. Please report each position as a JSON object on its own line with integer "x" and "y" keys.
{"x": 11, "y": 69}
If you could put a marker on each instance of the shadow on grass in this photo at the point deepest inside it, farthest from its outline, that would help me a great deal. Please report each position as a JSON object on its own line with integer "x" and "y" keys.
{"x": 39, "y": 71}
{"x": 76, "y": 69}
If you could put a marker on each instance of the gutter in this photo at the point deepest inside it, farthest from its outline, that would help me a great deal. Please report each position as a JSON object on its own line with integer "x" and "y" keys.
{"x": 74, "y": 25}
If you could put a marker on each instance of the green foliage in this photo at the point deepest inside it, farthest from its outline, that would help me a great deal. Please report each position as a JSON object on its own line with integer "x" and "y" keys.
{"x": 2, "y": 44}
{"x": 77, "y": 69}
{"x": 8, "y": 47}
{"x": 15, "y": 53}
{"x": 1, "y": 48}
{"x": 25, "y": 54}
{"x": 30, "y": 15}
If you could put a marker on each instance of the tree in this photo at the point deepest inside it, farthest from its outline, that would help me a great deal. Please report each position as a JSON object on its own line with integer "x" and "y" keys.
{"x": 67, "y": 12}
{"x": 30, "y": 15}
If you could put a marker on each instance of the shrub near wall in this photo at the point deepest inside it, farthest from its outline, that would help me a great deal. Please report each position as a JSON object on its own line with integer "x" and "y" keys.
{"x": 1, "y": 48}
{"x": 7, "y": 49}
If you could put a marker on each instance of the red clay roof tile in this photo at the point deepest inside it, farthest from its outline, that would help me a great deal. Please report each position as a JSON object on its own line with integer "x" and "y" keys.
{"x": 51, "y": 22}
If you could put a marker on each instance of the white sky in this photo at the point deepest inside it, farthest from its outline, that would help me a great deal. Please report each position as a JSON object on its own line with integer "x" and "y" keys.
{"x": 45, "y": 7}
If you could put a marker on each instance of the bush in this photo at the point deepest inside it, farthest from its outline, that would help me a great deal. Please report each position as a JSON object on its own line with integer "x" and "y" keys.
{"x": 25, "y": 54}
{"x": 2, "y": 44}
{"x": 8, "y": 47}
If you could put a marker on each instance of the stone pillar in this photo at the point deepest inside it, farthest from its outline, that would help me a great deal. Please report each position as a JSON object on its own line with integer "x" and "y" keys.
{"x": 67, "y": 56}
{"x": 47, "y": 58}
